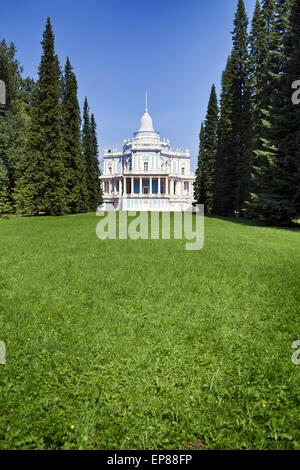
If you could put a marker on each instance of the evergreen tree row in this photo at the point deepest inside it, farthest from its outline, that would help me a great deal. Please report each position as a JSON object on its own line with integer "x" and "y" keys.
{"x": 249, "y": 153}
{"x": 48, "y": 164}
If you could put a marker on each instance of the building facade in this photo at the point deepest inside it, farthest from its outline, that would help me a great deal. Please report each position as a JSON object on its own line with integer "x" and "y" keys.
{"x": 147, "y": 175}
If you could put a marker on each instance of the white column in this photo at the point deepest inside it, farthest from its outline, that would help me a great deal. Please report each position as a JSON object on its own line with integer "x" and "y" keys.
{"x": 132, "y": 186}
{"x": 167, "y": 184}
{"x": 159, "y": 186}
{"x": 141, "y": 184}
{"x": 124, "y": 187}
{"x": 150, "y": 189}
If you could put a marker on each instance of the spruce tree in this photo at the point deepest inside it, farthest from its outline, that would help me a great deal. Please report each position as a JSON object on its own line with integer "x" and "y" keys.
{"x": 276, "y": 200}
{"x": 205, "y": 174}
{"x": 198, "y": 185}
{"x": 9, "y": 70}
{"x": 90, "y": 152}
{"x": 275, "y": 15}
{"x": 208, "y": 166}
{"x": 241, "y": 113}
{"x": 97, "y": 193}
{"x": 224, "y": 184}
{"x": 75, "y": 170}
{"x": 42, "y": 185}
{"x": 235, "y": 135}
{"x": 268, "y": 14}
{"x": 5, "y": 203}
{"x": 258, "y": 60}
{"x": 14, "y": 116}
{"x": 280, "y": 29}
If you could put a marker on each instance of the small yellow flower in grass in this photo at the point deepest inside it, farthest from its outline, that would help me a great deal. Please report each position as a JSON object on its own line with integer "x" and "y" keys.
{"x": 72, "y": 426}
{"x": 28, "y": 339}
{"x": 264, "y": 405}
{"x": 248, "y": 383}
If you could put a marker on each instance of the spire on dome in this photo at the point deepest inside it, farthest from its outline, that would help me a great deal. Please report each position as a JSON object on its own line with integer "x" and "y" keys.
{"x": 146, "y": 121}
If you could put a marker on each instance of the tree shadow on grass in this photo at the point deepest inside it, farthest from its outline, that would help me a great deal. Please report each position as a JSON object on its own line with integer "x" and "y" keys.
{"x": 250, "y": 223}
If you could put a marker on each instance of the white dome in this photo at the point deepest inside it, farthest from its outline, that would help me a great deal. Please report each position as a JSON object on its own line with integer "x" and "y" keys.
{"x": 146, "y": 123}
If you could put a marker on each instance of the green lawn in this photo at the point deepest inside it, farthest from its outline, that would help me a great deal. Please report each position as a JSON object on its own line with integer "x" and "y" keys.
{"x": 143, "y": 345}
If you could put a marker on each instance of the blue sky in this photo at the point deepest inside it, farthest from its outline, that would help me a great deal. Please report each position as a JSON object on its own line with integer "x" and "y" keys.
{"x": 174, "y": 49}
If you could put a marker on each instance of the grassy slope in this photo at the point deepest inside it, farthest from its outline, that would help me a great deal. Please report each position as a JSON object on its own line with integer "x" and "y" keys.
{"x": 143, "y": 345}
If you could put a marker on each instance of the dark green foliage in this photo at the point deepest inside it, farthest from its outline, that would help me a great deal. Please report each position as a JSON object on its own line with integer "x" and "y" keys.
{"x": 75, "y": 170}
{"x": 97, "y": 192}
{"x": 42, "y": 166}
{"x": 198, "y": 185}
{"x": 42, "y": 185}
{"x": 223, "y": 181}
{"x": 235, "y": 133}
{"x": 90, "y": 152}
{"x": 13, "y": 122}
{"x": 258, "y": 145}
{"x": 5, "y": 204}
{"x": 9, "y": 70}
{"x": 258, "y": 66}
{"x": 276, "y": 199}
{"x": 240, "y": 159}
{"x": 208, "y": 149}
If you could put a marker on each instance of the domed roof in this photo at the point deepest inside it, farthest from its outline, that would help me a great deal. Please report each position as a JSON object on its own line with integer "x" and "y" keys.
{"x": 146, "y": 123}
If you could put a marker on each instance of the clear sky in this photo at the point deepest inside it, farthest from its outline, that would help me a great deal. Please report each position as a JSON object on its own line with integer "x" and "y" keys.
{"x": 174, "y": 49}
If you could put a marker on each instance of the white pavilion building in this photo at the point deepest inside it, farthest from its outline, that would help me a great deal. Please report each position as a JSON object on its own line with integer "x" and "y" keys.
{"x": 147, "y": 175}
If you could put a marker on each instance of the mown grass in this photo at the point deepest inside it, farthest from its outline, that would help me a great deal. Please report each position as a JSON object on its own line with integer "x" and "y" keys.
{"x": 143, "y": 345}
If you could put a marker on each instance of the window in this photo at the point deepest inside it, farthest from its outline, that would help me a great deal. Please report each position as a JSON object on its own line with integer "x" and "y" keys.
{"x": 146, "y": 166}
{"x": 110, "y": 170}
{"x": 183, "y": 170}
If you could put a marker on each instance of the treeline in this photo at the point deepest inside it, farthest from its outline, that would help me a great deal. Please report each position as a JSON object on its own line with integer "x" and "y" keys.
{"x": 48, "y": 156}
{"x": 249, "y": 153}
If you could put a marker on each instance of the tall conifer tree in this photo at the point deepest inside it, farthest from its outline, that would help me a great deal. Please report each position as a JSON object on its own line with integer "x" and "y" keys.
{"x": 241, "y": 112}
{"x": 90, "y": 152}
{"x": 258, "y": 61}
{"x": 210, "y": 149}
{"x": 75, "y": 170}
{"x": 13, "y": 122}
{"x": 42, "y": 185}
{"x": 198, "y": 185}
{"x": 96, "y": 197}
{"x": 276, "y": 200}
{"x": 205, "y": 183}
{"x": 224, "y": 183}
